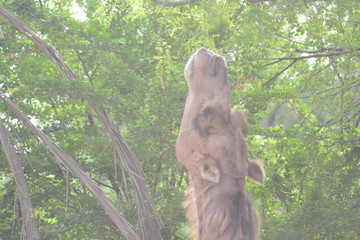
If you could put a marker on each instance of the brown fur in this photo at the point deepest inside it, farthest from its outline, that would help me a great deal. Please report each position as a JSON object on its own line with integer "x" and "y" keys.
{"x": 191, "y": 211}
{"x": 212, "y": 147}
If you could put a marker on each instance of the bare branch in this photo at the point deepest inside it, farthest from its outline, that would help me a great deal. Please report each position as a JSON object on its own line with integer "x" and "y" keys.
{"x": 150, "y": 227}
{"x": 272, "y": 63}
{"x": 321, "y": 69}
{"x": 319, "y": 53}
{"x": 29, "y": 231}
{"x": 73, "y": 167}
{"x": 290, "y": 40}
{"x": 351, "y": 140}
{"x": 310, "y": 56}
{"x": 279, "y": 73}
{"x": 1, "y": 34}
{"x": 47, "y": 49}
{"x": 83, "y": 64}
{"x": 279, "y": 59}
{"x": 278, "y": 49}
{"x": 321, "y": 49}
{"x": 256, "y": 1}
{"x": 186, "y": 2}
{"x": 174, "y": 4}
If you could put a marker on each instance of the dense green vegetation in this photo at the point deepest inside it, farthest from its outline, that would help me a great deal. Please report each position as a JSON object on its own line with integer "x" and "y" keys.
{"x": 294, "y": 69}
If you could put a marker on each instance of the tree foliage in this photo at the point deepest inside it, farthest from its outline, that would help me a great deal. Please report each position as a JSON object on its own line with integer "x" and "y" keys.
{"x": 293, "y": 69}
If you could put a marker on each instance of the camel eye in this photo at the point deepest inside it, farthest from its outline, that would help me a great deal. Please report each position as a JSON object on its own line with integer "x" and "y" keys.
{"x": 206, "y": 167}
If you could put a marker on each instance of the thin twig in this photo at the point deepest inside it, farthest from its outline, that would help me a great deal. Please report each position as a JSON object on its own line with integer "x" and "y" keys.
{"x": 279, "y": 59}
{"x": 339, "y": 52}
{"x": 310, "y": 56}
{"x": 344, "y": 87}
{"x": 187, "y": 2}
{"x": 290, "y": 40}
{"x": 279, "y": 73}
{"x": 351, "y": 140}
{"x": 281, "y": 50}
{"x": 257, "y": 1}
{"x": 321, "y": 69}
{"x": 321, "y": 49}
{"x": 272, "y": 63}
{"x": 174, "y": 4}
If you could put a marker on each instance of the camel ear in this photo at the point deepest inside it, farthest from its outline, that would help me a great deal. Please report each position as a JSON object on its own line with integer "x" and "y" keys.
{"x": 210, "y": 172}
{"x": 256, "y": 171}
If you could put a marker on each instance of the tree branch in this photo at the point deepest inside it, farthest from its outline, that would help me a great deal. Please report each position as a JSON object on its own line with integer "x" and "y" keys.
{"x": 186, "y": 2}
{"x": 29, "y": 229}
{"x": 307, "y": 56}
{"x": 279, "y": 73}
{"x": 174, "y": 4}
{"x": 341, "y": 87}
{"x": 114, "y": 214}
{"x": 320, "y": 52}
{"x": 290, "y": 40}
{"x": 256, "y": 1}
{"x": 149, "y": 225}
{"x": 47, "y": 49}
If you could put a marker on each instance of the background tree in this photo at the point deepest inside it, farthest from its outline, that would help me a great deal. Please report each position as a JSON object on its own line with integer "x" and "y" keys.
{"x": 293, "y": 68}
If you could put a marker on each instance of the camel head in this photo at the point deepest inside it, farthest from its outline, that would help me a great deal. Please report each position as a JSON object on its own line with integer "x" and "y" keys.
{"x": 206, "y": 74}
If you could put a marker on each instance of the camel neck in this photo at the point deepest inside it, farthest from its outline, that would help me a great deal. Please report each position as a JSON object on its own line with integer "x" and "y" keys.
{"x": 197, "y": 101}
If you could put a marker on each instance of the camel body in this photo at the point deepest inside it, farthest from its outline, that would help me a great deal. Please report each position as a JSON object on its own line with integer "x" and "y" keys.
{"x": 212, "y": 147}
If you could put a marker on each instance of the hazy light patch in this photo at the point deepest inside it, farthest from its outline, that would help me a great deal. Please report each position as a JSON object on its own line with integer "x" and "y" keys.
{"x": 78, "y": 12}
{"x": 312, "y": 62}
{"x": 301, "y": 19}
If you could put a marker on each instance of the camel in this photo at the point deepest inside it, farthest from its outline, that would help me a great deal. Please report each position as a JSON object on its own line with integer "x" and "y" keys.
{"x": 211, "y": 145}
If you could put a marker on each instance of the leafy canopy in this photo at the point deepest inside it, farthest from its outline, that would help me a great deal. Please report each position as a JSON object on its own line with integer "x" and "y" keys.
{"x": 293, "y": 69}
